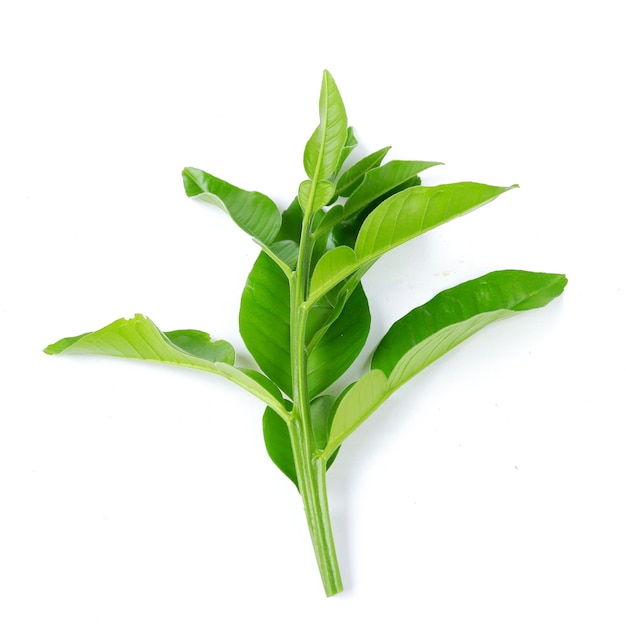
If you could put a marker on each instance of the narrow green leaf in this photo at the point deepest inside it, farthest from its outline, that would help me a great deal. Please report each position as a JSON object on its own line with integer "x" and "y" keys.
{"x": 252, "y": 211}
{"x": 348, "y": 147}
{"x": 417, "y": 210}
{"x": 431, "y": 330}
{"x": 354, "y": 175}
{"x": 139, "y": 338}
{"x": 397, "y": 220}
{"x": 381, "y": 180}
{"x": 324, "y": 148}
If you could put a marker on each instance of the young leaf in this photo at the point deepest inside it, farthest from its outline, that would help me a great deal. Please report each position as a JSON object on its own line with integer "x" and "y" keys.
{"x": 314, "y": 197}
{"x": 380, "y": 180}
{"x": 354, "y": 175}
{"x": 395, "y": 221}
{"x": 350, "y": 144}
{"x": 139, "y": 338}
{"x": 252, "y": 211}
{"x": 324, "y": 149}
{"x": 433, "y": 329}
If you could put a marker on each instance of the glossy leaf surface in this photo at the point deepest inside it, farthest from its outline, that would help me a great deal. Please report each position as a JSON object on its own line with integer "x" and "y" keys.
{"x": 397, "y": 220}
{"x": 354, "y": 175}
{"x": 433, "y": 329}
{"x": 264, "y": 324}
{"x": 381, "y": 180}
{"x": 324, "y": 149}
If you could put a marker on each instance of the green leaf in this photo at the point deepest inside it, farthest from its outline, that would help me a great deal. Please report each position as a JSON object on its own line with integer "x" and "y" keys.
{"x": 354, "y": 175}
{"x": 329, "y": 267}
{"x": 320, "y": 419}
{"x": 322, "y": 194}
{"x": 286, "y": 251}
{"x": 264, "y": 321}
{"x": 278, "y": 444}
{"x": 341, "y": 343}
{"x": 199, "y": 344}
{"x": 381, "y": 180}
{"x": 252, "y": 211}
{"x": 356, "y": 405}
{"x": 417, "y": 210}
{"x": 139, "y": 338}
{"x": 348, "y": 147}
{"x": 291, "y": 223}
{"x": 397, "y": 220}
{"x": 433, "y": 329}
{"x": 324, "y": 149}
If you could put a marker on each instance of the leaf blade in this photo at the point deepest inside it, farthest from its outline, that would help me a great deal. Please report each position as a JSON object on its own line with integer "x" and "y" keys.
{"x": 139, "y": 338}
{"x": 252, "y": 211}
{"x": 324, "y": 149}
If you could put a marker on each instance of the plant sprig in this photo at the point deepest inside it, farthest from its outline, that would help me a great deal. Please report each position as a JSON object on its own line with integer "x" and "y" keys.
{"x": 305, "y": 316}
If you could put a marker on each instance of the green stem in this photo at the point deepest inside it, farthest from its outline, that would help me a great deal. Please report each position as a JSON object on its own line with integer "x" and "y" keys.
{"x": 311, "y": 472}
{"x": 310, "y": 466}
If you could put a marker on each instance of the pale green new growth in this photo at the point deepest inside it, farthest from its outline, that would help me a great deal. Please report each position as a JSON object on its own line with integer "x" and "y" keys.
{"x": 304, "y": 315}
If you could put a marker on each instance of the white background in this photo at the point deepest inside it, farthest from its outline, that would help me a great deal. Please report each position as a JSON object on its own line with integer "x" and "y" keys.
{"x": 489, "y": 491}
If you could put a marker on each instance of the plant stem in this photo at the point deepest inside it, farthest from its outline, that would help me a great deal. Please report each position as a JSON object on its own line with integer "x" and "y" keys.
{"x": 310, "y": 466}
{"x": 311, "y": 472}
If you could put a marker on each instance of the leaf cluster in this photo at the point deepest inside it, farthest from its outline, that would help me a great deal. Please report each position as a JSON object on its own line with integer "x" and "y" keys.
{"x": 304, "y": 314}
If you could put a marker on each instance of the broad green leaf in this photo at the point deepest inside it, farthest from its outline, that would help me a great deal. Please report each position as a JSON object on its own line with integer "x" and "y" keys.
{"x": 430, "y": 330}
{"x": 264, "y": 326}
{"x": 354, "y": 175}
{"x": 264, "y": 320}
{"x": 139, "y": 338}
{"x": 381, "y": 180}
{"x": 323, "y": 194}
{"x": 397, "y": 220}
{"x": 323, "y": 150}
{"x": 252, "y": 211}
